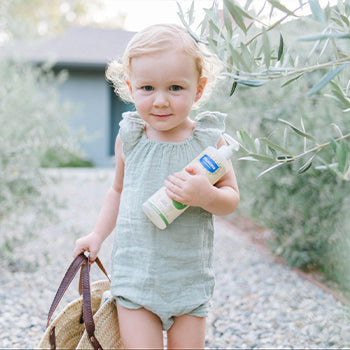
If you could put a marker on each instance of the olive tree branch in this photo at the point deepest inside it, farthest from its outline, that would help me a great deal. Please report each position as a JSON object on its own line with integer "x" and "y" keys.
{"x": 311, "y": 150}
{"x": 273, "y": 25}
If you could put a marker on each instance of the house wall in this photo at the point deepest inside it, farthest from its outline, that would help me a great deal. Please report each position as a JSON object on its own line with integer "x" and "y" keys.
{"x": 97, "y": 113}
{"x": 91, "y": 96}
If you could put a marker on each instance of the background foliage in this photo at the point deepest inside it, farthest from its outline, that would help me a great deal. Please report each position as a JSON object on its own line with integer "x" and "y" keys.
{"x": 278, "y": 116}
{"x": 33, "y": 122}
{"x": 306, "y": 212}
{"x": 253, "y": 50}
{"x": 34, "y": 127}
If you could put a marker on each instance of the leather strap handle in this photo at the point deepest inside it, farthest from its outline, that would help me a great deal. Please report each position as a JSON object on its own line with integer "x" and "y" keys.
{"x": 87, "y": 310}
{"x": 102, "y": 268}
{"x": 82, "y": 262}
{"x": 67, "y": 280}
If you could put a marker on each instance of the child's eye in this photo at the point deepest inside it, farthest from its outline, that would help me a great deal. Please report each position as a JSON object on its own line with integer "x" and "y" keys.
{"x": 175, "y": 88}
{"x": 147, "y": 88}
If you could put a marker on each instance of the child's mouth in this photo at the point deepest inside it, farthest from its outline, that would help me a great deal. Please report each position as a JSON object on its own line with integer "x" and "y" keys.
{"x": 161, "y": 115}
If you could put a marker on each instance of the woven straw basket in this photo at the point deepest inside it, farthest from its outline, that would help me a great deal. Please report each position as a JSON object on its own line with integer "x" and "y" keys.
{"x": 107, "y": 328}
{"x": 70, "y": 332}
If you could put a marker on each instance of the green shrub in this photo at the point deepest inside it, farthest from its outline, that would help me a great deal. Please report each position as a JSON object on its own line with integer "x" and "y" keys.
{"x": 306, "y": 212}
{"x": 33, "y": 121}
{"x": 63, "y": 158}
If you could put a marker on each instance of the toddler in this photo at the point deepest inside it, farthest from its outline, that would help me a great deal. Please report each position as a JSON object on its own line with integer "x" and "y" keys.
{"x": 162, "y": 279}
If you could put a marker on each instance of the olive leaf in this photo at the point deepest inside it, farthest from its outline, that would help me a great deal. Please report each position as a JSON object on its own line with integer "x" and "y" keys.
{"x": 266, "y": 47}
{"x": 275, "y": 146}
{"x": 291, "y": 80}
{"x": 258, "y": 157}
{"x": 234, "y": 85}
{"x": 270, "y": 168}
{"x": 236, "y": 14}
{"x": 297, "y": 130}
{"x": 307, "y": 164}
{"x": 317, "y": 11}
{"x": 342, "y": 154}
{"x": 276, "y": 4}
{"x": 325, "y": 80}
{"x": 280, "y": 48}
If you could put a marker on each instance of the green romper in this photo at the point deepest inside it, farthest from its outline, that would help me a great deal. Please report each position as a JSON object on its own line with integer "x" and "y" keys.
{"x": 169, "y": 272}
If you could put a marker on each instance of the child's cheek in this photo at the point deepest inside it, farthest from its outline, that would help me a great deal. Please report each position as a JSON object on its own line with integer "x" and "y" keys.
{"x": 184, "y": 104}
{"x": 142, "y": 102}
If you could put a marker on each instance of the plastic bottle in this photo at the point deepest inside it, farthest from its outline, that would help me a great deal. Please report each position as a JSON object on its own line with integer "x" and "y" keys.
{"x": 213, "y": 162}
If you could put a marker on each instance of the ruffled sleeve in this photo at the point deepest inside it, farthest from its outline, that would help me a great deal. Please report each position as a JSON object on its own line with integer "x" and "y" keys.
{"x": 131, "y": 130}
{"x": 210, "y": 126}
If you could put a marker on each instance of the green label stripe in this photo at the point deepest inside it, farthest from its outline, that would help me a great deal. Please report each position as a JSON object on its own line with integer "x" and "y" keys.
{"x": 158, "y": 212}
{"x": 178, "y": 205}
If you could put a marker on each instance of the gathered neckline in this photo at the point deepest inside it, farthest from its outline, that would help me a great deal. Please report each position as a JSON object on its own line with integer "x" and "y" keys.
{"x": 186, "y": 140}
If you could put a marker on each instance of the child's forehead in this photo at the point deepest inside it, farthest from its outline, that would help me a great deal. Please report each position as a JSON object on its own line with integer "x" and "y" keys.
{"x": 170, "y": 62}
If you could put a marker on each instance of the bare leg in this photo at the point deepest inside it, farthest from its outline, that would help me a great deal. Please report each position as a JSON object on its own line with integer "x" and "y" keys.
{"x": 187, "y": 332}
{"x": 140, "y": 329}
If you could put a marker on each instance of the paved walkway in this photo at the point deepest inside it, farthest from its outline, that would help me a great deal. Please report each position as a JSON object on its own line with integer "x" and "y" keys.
{"x": 258, "y": 303}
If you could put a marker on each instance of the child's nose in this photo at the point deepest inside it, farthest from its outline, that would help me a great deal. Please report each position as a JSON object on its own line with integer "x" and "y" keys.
{"x": 160, "y": 100}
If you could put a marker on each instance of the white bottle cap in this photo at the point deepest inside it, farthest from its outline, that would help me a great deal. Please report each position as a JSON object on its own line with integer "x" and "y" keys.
{"x": 227, "y": 150}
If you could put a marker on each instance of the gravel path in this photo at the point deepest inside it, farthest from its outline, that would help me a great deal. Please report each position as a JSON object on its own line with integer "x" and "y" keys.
{"x": 257, "y": 302}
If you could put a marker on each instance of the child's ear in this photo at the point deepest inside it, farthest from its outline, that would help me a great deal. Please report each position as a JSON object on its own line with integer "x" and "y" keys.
{"x": 200, "y": 88}
{"x": 129, "y": 86}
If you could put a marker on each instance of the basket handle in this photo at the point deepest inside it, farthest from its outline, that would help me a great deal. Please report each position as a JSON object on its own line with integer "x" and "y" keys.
{"x": 87, "y": 311}
{"x": 67, "y": 280}
{"x": 102, "y": 268}
{"x": 82, "y": 262}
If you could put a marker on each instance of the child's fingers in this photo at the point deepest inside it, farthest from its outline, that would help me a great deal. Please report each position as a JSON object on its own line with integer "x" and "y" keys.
{"x": 80, "y": 247}
{"x": 78, "y": 251}
{"x": 173, "y": 182}
{"x": 175, "y": 196}
{"x": 193, "y": 169}
{"x": 90, "y": 243}
{"x": 176, "y": 191}
{"x": 93, "y": 256}
{"x": 181, "y": 176}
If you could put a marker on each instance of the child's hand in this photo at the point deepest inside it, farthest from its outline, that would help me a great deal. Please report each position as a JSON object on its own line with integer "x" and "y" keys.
{"x": 91, "y": 243}
{"x": 189, "y": 187}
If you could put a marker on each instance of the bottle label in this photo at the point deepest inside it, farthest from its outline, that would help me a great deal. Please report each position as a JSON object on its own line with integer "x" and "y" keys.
{"x": 208, "y": 163}
{"x": 162, "y": 210}
{"x": 178, "y": 205}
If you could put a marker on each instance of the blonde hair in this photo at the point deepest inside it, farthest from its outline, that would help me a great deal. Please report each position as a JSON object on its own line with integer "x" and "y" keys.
{"x": 156, "y": 38}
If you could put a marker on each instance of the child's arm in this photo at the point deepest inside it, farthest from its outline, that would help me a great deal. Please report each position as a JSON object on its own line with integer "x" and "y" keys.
{"x": 107, "y": 218}
{"x": 193, "y": 188}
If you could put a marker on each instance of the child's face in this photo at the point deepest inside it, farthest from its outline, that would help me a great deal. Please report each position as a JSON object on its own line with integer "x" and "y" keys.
{"x": 164, "y": 86}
